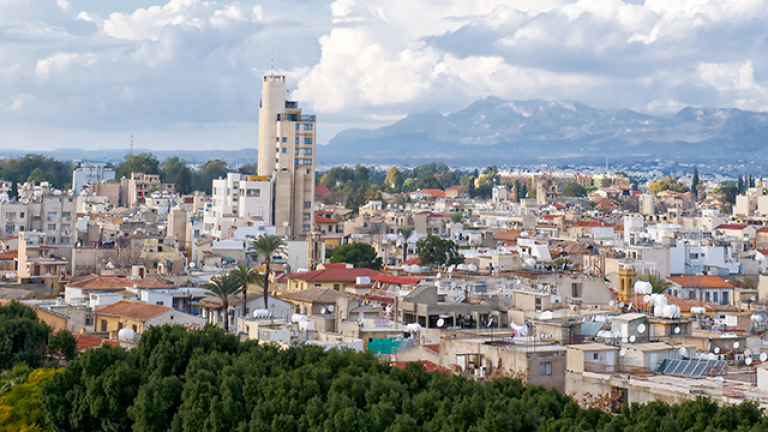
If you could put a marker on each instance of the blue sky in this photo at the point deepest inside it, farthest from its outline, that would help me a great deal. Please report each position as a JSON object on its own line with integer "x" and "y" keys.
{"x": 185, "y": 73}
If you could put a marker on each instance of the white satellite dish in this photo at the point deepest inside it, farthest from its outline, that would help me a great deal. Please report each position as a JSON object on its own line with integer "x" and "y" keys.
{"x": 623, "y": 352}
{"x": 763, "y": 357}
{"x": 711, "y": 356}
{"x": 323, "y": 311}
{"x": 611, "y": 303}
{"x": 621, "y": 305}
{"x": 736, "y": 345}
{"x": 641, "y": 328}
{"x": 546, "y": 315}
{"x": 748, "y": 361}
{"x": 677, "y": 330}
{"x": 682, "y": 351}
{"x": 330, "y": 308}
{"x": 440, "y": 322}
{"x": 716, "y": 350}
{"x": 632, "y": 338}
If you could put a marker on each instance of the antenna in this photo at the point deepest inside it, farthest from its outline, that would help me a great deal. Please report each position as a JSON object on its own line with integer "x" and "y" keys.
{"x": 131, "y": 144}
{"x": 272, "y": 63}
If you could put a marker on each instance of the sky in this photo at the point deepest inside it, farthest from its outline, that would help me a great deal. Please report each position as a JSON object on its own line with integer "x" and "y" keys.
{"x": 185, "y": 74}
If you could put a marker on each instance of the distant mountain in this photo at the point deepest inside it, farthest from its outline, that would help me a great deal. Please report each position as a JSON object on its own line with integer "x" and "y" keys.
{"x": 241, "y": 156}
{"x": 497, "y": 130}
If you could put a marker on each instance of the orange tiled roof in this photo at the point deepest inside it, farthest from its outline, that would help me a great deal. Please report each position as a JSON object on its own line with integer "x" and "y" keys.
{"x": 91, "y": 341}
{"x": 700, "y": 281}
{"x": 324, "y": 220}
{"x": 334, "y": 274}
{"x": 9, "y": 254}
{"x": 116, "y": 283}
{"x": 426, "y": 365}
{"x": 435, "y": 193}
{"x": 135, "y": 310}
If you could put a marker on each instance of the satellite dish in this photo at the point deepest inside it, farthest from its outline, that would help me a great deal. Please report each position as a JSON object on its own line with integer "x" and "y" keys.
{"x": 440, "y": 323}
{"x": 716, "y": 350}
{"x": 677, "y": 330}
{"x": 546, "y": 315}
{"x": 682, "y": 351}
{"x": 623, "y": 352}
{"x": 330, "y": 308}
{"x": 763, "y": 357}
{"x": 126, "y": 334}
{"x": 711, "y": 356}
{"x": 285, "y": 223}
{"x": 748, "y": 352}
{"x": 736, "y": 345}
{"x": 323, "y": 311}
{"x": 641, "y": 328}
{"x": 632, "y": 338}
{"x": 611, "y": 303}
{"x": 748, "y": 361}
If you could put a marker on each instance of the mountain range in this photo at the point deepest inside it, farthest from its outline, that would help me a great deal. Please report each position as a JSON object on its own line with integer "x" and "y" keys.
{"x": 497, "y": 130}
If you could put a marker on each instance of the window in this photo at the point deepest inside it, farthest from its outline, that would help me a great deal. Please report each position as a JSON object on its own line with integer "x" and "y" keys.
{"x": 545, "y": 368}
{"x": 103, "y": 325}
{"x": 714, "y": 297}
{"x": 306, "y": 216}
{"x": 307, "y": 152}
{"x": 337, "y": 286}
{"x": 308, "y": 127}
{"x": 538, "y": 304}
{"x": 726, "y": 298}
{"x": 253, "y": 193}
{"x": 21, "y": 215}
{"x": 9, "y": 230}
{"x": 298, "y": 126}
{"x": 296, "y": 141}
{"x": 307, "y": 204}
{"x": 285, "y": 150}
{"x": 306, "y": 228}
{"x": 706, "y": 296}
{"x": 285, "y": 139}
{"x": 51, "y": 215}
{"x": 308, "y": 141}
{"x": 134, "y": 327}
{"x": 51, "y": 227}
{"x": 10, "y": 215}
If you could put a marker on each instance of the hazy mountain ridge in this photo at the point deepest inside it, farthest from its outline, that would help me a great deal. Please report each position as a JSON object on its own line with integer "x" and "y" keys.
{"x": 535, "y": 129}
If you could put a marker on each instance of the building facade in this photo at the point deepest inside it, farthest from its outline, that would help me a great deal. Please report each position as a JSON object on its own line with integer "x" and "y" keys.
{"x": 287, "y": 142}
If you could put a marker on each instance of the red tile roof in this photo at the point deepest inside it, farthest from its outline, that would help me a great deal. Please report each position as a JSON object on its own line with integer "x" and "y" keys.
{"x": 591, "y": 224}
{"x": 85, "y": 342}
{"x": 322, "y": 190}
{"x": 731, "y": 227}
{"x": 435, "y": 193}
{"x": 134, "y": 310}
{"x": 700, "y": 281}
{"x": 452, "y": 188}
{"x": 116, "y": 283}
{"x": 426, "y": 365}
{"x": 9, "y": 254}
{"x": 324, "y": 220}
{"x": 395, "y": 280}
{"x": 334, "y": 273}
{"x": 413, "y": 261}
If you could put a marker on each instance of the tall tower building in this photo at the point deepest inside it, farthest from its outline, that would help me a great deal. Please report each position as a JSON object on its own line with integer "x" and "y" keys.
{"x": 287, "y": 141}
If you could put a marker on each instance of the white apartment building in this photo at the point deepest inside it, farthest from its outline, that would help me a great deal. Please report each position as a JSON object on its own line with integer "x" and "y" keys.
{"x": 82, "y": 177}
{"x": 287, "y": 143}
{"x": 44, "y": 209}
{"x": 235, "y": 201}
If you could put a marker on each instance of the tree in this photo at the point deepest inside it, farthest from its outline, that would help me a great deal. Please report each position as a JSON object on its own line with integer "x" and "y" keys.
{"x": 394, "y": 178}
{"x": 360, "y": 255}
{"x": 266, "y": 246}
{"x": 23, "y": 338}
{"x": 457, "y": 217}
{"x": 658, "y": 283}
{"x": 406, "y": 233}
{"x": 434, "y": 250}
{"x": 668, "y": 183}
{"x": 143, "y": 162}
{"x": 740, "y": 185}
{"x": 223, "y": 287}
{"x": 728, "y": 192}
{"x": 21, "y": 408}
{"x": 183, "y": 181}
{"x": 63, "y": 344}
{"x": 574, "y": 190}
{"x": 695, "y": 184}
{"x": 245, "y": 275}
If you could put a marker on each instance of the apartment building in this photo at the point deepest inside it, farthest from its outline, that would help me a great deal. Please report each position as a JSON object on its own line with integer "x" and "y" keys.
{"x": 235, "y": 201}
{"x": 287, "y": 141}
{"x": 83, "y": 176}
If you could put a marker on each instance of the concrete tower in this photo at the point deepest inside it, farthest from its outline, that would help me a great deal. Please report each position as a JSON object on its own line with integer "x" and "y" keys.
{"x": 287, "y": 141}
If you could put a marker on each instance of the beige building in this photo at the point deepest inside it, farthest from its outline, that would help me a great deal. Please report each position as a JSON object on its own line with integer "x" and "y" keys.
{"x": 287, "y": 141}
{"x": 237, "y": 200}
{"x": 140, "y": 186}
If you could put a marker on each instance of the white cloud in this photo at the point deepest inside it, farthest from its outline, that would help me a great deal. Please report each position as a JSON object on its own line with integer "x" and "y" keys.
{"x": 61, "y": 62}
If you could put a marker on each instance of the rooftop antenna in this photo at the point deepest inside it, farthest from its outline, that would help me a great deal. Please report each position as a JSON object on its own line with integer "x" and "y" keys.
{"x": 606, "y": 164}
{"x": 272, "y": 63}
{"x": 131, "y": 144}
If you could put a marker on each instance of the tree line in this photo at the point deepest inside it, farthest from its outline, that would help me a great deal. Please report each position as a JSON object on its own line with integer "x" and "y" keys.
{"x": 178, "y": 381}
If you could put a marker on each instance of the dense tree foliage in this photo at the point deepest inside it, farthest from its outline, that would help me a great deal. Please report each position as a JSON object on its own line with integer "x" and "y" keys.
{"x": 434, "y": 250}
{"x": 36, "y": 168}
{"x": 728, "y": 192}
{"x": 668, "y": 183}
{"x": 23, "y": 338}
{"x": 207, "y": 381}
{"x": 574, "y": 190}
{"x": 21, "y": 407}
{"x": 361, "y": 255}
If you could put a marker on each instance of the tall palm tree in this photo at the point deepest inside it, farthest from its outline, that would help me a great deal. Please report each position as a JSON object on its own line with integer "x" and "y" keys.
{"x": 223, "y": 287}
{"x": 406, "y": 232}
{"x": 245, "y": 275}
{"x": 266, "y": 246}
{"x": 658, "y": 283}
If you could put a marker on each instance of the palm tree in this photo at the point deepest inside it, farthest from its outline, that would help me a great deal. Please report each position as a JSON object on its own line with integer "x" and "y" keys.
{"x": 267, "y": 245}
{"x": 406, "y": 232}
{"x": 658, "y": 283}
{"x": 223, "y": 287}
{"x": 245, "y": 275}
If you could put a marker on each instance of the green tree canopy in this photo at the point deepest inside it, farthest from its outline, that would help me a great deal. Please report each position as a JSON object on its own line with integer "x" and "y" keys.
{"x": 143, "y": 162}
{"x": 23, "y": 338}
{"x": 434, "y": 250}
{"x": 574, "y": 190}
{"x": 669, "y": 184}
{"x": 360, "y": 255}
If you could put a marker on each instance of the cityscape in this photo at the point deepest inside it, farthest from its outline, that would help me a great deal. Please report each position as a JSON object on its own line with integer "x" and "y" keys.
{"x": 425, "y": 218}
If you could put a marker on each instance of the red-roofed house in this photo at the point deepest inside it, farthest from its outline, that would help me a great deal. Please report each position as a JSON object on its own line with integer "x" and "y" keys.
{"x": 85, "y": 342}
{"x": 334, "y": 276}
{"x": 738, "y": 231}
{"x": 457, "y": 192}
{"x": 106, "y": 286}
{"x": 433, "y": 193}
{"x": 139, "y": 316}
{"x": 708, "y": 288}
{"x": 592, "y": 229}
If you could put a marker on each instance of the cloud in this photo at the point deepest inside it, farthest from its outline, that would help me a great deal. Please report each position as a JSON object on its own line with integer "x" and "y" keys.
{"x": 61, "y": 62}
